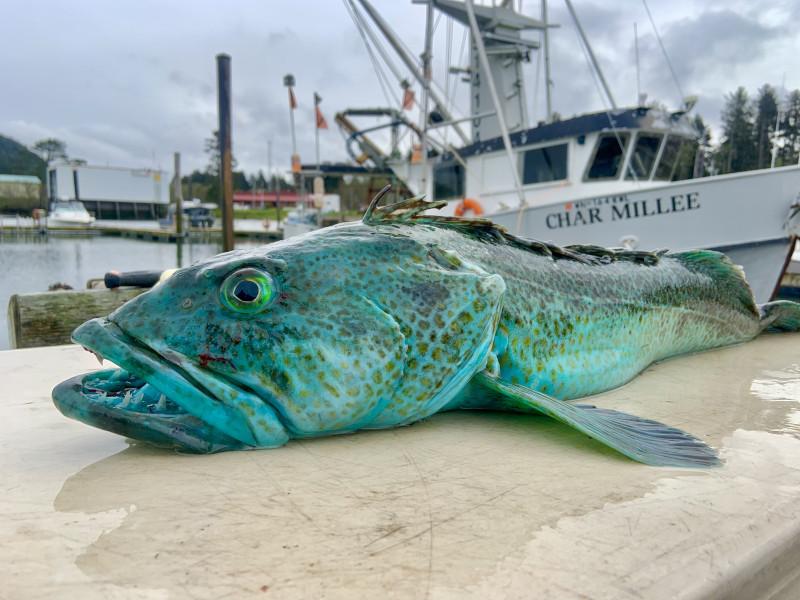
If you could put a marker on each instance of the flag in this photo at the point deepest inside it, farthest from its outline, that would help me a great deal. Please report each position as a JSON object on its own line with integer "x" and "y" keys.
{"x": 292, "y": 99}
{"x": 408, "y": 98}
{"x": 321, "y": 122}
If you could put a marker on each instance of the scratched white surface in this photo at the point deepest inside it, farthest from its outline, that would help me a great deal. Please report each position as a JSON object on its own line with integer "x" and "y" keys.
{"x": 465, "y": 505}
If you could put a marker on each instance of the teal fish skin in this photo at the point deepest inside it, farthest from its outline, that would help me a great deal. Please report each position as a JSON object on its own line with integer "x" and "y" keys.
{"x": 390, "y": 320}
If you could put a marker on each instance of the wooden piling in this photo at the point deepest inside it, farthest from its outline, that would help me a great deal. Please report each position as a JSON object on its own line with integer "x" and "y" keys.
{"x": 226, "y": 162}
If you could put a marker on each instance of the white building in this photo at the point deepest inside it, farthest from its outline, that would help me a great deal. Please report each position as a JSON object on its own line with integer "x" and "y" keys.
{"x": 111, "y": 192}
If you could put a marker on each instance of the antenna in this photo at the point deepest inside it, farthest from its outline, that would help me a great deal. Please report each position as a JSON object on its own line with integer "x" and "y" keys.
{"x": 638, "y": 82}
{"x": 547, "y": 80}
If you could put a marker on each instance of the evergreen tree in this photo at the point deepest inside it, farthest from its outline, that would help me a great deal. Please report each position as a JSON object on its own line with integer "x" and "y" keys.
{"x": 694, "y": 156}
{"x": 737, "y": 150}
{"x": 766, "y": 114}
{"x": 50, "y": 149}
{"x": 789, "y": 149}
{"x": 261, "y": 181}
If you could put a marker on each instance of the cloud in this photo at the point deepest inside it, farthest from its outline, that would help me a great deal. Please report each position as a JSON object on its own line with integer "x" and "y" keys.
{"x": 130, "y": 83}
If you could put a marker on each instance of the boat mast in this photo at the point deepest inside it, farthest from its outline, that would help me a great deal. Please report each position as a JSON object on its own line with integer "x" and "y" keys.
{"x": 638, "y": 81}
{"x": 410, "y": 63}
{"x": 501, "y": 119}
{"x": 426, "y": 86}
{"x": 547, "y": 81}
{"x": 592, "y": 57}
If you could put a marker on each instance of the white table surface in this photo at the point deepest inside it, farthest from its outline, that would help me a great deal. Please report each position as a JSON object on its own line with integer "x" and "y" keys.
{"x": 464, "y": 505}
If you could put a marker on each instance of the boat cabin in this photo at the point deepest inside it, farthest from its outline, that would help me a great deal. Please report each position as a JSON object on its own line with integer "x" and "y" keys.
{"x": 596, "y": 154}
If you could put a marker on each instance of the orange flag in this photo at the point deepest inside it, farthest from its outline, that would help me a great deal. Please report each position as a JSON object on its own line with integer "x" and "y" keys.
{"x": 321, "y": 122}
{"x": 292, "y": 99}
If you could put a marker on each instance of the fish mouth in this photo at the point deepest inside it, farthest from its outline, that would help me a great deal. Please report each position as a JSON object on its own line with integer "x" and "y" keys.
{"x": 151, "y": 397}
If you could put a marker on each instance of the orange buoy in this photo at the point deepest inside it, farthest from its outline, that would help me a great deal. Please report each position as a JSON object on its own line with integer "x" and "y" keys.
{"x": 469, "y": 204}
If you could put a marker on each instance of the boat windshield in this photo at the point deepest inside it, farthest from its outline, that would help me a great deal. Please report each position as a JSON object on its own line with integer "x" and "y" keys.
{"x": 544, "y": 164}
{"x": 608, "y": 156}
{"x": 669, "y": 158}
{"x": 71, "y": 205}
{"x": 644, "y": 156}
{"x": 448, "y": 181}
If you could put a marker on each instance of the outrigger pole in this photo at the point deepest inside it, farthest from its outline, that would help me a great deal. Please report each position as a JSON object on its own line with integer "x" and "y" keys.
{"x": 501, "y": 118}
{"x": 592, "y": 57}
{"x": 411, "y": 64}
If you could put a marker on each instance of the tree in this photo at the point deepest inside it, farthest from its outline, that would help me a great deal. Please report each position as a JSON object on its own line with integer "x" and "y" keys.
{"x": 766, "y": 115}
{"x": 212, "y": 148}
{"x": 737, "y": 150}
{"x": 694, "y": 156}
{"x": 50, "y": 149}
{"x": 789, "y": 149}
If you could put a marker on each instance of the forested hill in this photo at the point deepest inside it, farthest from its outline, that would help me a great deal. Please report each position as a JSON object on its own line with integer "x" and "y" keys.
{"x": 16, "y": 159}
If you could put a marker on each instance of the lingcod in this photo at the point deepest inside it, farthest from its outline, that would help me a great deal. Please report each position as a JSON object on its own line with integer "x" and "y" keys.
{"x": 389, "y": 320}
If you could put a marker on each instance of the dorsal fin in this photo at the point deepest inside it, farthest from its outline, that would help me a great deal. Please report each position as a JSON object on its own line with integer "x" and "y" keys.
{"x": 409, "y": 212}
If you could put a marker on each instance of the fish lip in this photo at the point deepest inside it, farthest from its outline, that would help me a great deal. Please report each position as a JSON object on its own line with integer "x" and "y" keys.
{"x": 106, "y": 338}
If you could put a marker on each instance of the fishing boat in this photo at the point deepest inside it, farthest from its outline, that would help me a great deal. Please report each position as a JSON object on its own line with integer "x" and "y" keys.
{"x": 620, "y": 177}
{"x": 69, "y": 213}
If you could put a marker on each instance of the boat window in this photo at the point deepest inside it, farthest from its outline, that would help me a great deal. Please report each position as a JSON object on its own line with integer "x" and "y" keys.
{"x": 544, "y": 164}
{"x": 608, "y": 156}
{"x": 448, "y": 181}
{"x": 669, "y": 158}
{"x": 644, "y": 156}
{"x": 53, "y": 188}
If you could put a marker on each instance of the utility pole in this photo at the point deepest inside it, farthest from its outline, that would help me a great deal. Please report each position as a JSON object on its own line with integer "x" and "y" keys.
{"x": 225, "y": 144}
{"x": 178, "y": 191}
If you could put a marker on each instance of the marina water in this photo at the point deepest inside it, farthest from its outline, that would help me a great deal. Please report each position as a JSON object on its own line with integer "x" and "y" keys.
{"x": 31, "y": 263}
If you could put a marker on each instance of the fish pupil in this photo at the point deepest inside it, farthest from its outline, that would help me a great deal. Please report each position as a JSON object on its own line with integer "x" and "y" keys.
{"x": 246, "y": 291}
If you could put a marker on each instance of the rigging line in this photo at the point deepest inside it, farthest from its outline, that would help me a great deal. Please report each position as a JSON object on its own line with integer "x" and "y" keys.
{"x": 447, "y": 60}
{"x": 378, "y": 45}
{"x": 538, "y": 74}
{"x": 375, "y": 65}
{"x": 664, "y": 51}
{"x": 460, "y": 60}
{"x": 598, "y": 87}
{"x": 436, "y": 22}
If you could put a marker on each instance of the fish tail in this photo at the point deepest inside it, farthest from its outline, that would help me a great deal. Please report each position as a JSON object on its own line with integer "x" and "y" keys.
{"x": 781, "y": 315}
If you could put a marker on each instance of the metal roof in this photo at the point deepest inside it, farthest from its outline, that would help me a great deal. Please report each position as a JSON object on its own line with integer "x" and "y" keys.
{"x": 630, "y": 118}
{"x": 19, "y": 179}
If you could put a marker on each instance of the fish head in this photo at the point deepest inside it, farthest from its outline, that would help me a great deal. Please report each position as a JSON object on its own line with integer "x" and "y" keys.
{"x": 309, "y": 336}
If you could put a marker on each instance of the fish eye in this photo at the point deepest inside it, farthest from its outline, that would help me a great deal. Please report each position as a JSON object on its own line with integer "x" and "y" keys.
{"x": 247, "y": 290}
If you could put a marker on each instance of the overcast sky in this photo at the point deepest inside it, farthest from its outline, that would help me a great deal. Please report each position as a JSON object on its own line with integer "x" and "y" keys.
{"x": 129, "y": 82}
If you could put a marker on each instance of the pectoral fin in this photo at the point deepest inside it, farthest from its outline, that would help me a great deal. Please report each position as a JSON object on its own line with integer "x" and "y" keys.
{"x": 643, "y": 440}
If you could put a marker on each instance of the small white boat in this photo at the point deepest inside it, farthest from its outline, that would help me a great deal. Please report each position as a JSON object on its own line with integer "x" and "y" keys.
{"x": 299, "y": 221}
{"x": 69, "y": 213}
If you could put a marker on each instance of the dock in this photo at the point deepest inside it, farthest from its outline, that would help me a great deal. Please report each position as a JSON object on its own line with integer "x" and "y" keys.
{"x": 243, "y": 229}
{"x": 153, "y": 234}
{"x": 463, "y": 505}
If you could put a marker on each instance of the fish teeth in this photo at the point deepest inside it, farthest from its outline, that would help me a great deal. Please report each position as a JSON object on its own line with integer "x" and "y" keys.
{"x": 126, "y": 400}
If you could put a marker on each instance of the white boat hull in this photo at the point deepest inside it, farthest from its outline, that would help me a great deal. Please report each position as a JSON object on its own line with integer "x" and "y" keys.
{"x": 59, "y": 222}
{"x": 745, "y": 215}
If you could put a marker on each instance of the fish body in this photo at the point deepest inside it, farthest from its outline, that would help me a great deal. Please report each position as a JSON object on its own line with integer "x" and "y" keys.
{"x": 390, "y": 320}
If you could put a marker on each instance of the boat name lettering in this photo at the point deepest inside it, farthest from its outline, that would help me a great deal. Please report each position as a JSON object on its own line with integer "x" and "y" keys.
{"x": 619, "y": 208}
